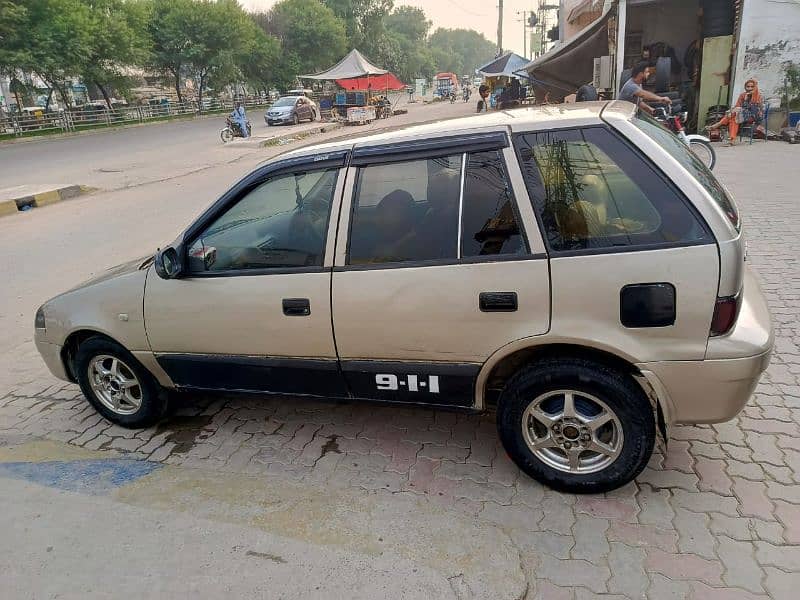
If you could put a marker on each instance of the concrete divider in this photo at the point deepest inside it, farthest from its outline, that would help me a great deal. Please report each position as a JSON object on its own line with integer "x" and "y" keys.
{"x": 22, "y": 197}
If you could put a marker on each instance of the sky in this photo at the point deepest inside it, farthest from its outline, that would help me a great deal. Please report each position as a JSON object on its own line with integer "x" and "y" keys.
{"x": 480, "y": 15}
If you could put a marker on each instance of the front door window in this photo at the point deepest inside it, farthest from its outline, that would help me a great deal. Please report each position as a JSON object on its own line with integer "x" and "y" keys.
{"x": 280, "y": 223}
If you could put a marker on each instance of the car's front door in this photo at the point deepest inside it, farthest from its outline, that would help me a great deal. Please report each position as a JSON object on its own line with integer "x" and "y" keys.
{"x": 252, "y": 310}
{"x": 434, "y": 271}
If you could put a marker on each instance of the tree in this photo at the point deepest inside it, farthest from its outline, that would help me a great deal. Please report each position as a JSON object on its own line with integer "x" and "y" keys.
{"x": 262, "y": 56}
{"x": 206, "y": 38}
{"x": 460, "y": 51}
{"x": 55, "y": 35}
{"x": 13, "y": 15}
{"x": 404, "y": 49}
{"x": 409, "y": 22}
{"x": 170, "y": 38}
{"x": 118, "y": 39}
{"x": 312, "y": 37}
{"x": 364, "y": 22}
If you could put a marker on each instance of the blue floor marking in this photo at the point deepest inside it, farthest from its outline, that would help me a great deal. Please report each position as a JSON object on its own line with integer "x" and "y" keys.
{"x": 94, "y": 476}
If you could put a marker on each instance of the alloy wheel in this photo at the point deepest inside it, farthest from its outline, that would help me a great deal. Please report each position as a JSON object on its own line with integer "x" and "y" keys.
{"x": 572, "y": 431}
{"x": 115, "y": 384}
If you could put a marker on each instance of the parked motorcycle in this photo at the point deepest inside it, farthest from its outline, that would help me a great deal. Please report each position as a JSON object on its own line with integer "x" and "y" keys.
{"x": 699, "y": 144}
{"x": 232, "y": 130}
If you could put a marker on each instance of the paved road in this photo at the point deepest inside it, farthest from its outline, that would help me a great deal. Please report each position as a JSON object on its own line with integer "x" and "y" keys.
{"x": 114, "y": 159}
{"x": 298, "y": 499}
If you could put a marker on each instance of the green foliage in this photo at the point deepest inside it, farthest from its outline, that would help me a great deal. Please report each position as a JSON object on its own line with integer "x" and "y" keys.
{"x": 118, "y": 39}
{"x": 793, "y": 85}
{"x": 215, "y": 43}
{"x": 460, "y": 51}
{"x": 312, "y": 37}
{"x": 409, "y": 22}
{"x": 208, "y": 39}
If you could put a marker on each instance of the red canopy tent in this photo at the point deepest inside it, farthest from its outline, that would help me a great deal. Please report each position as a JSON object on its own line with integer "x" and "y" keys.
{"x": 374, "y": 82}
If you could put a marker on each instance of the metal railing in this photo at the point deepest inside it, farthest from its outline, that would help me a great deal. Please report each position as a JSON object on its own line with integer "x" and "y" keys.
{"x": 98, "y": 116}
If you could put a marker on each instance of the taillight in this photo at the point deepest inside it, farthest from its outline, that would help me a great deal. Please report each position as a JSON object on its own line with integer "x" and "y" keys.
{"x": 725, "y": 312}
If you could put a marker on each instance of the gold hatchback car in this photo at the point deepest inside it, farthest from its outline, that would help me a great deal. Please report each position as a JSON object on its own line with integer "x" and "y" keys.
{"x": 575, "y": 267}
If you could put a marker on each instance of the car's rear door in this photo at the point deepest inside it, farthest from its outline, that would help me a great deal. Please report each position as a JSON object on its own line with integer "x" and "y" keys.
{"x": 634, "y": 267}
{"x": 252, "y": 311}
{"x": 438, "y": 265}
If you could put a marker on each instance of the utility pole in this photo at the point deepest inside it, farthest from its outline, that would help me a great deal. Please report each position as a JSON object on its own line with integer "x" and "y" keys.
{"x": 524, "y": 14}
{"x": 500, "y": 28}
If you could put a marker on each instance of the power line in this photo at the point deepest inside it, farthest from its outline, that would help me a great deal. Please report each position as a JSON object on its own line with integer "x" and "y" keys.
{"x": 462, "y": 9}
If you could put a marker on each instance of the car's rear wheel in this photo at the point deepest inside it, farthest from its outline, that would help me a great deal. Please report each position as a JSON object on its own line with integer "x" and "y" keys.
{"x": 576, "y": 425}
{"x": 117, "y": 385}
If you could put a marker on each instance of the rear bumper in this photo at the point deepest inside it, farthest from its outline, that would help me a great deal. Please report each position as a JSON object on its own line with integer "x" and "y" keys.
{"x": 51, "y": 354}
{"x": 717, "y": 388}
{"x": 704, "y": 391}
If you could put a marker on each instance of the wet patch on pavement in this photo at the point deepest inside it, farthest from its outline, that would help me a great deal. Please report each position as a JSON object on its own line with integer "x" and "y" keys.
{"x": 92, "y": 476}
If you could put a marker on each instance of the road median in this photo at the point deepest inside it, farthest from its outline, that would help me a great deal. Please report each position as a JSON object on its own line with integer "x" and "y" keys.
{"x": 22, "y": 198}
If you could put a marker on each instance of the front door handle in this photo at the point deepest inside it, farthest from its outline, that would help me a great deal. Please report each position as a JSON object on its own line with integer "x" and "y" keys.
{"x": 296, "y": 307}
{"x": 498, "y": 301}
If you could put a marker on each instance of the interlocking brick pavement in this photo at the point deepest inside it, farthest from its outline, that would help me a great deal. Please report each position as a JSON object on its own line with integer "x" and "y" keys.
{"x": 718, "y": 516}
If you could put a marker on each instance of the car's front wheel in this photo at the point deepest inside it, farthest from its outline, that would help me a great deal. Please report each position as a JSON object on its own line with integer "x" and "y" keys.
{"x": 117, "y": 385}
{"x": 576, "y": 425}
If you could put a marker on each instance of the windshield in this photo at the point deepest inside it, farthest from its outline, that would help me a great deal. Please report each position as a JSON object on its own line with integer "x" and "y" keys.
{"x": 287, "y": 101}
{"x": 680, "y": 152}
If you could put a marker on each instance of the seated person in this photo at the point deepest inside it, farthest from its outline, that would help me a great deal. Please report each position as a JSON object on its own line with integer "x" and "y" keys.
{"x": 749, "y": 108}
{"x": 394, "y": 216}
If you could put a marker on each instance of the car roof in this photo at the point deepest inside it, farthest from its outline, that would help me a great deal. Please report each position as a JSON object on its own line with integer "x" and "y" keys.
{"x": 552, "y": 116}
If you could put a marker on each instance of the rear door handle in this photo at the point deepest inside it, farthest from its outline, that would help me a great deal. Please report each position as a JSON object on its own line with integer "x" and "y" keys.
{"x": 296, "y": 307}
{"x": 497, "y": 301}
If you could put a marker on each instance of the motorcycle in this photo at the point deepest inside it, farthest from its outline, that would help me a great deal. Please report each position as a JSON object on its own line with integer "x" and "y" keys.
{"x": 466, "y": 95}
{"x": 232, "y": 130}
{"x": 700, "y": 145}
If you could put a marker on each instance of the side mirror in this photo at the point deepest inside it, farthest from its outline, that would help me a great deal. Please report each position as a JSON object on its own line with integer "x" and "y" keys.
{"x": 167, "y": 263}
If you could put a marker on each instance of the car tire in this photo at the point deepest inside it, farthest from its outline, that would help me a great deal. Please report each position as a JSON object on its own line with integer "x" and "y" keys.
{"x": 532, "y": 413}
{"x": 705, "y": 152}
{"x": 103, "y": 366}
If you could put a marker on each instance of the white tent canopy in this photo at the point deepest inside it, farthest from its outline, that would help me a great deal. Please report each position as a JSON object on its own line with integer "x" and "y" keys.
{"x": 352, "y": 65}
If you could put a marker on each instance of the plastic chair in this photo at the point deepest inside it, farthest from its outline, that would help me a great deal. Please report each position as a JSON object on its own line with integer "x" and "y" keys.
{"x": 750, "y": 128}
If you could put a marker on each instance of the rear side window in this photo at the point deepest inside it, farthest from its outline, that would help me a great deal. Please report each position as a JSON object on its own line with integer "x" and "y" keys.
{"x": 490, "y": 225}
{"x": 446, "y": 208}
{"x": 592, "y": 191}
{"x": 680, "y": 152}
{"x": 406, "y": 211}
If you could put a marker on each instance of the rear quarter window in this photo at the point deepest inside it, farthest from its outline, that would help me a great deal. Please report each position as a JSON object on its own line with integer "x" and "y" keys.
{"x": 592, "y": 191}
{"x": 680, "y": 152}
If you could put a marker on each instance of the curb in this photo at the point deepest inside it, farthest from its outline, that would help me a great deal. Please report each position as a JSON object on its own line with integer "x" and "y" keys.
{"x": 279, "y": 140}
{"x": 14, "y": 205}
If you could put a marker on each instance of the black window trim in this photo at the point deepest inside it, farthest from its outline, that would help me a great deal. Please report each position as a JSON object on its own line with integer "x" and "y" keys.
{"x": 443, "y": 151}
{"x": 706, "y": 241}
{"x": 323, "y": 162}
{"x": 428, "y": 148}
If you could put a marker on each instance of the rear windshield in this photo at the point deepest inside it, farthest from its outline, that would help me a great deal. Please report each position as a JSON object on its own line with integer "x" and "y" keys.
{"x": 680, "y": 152}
